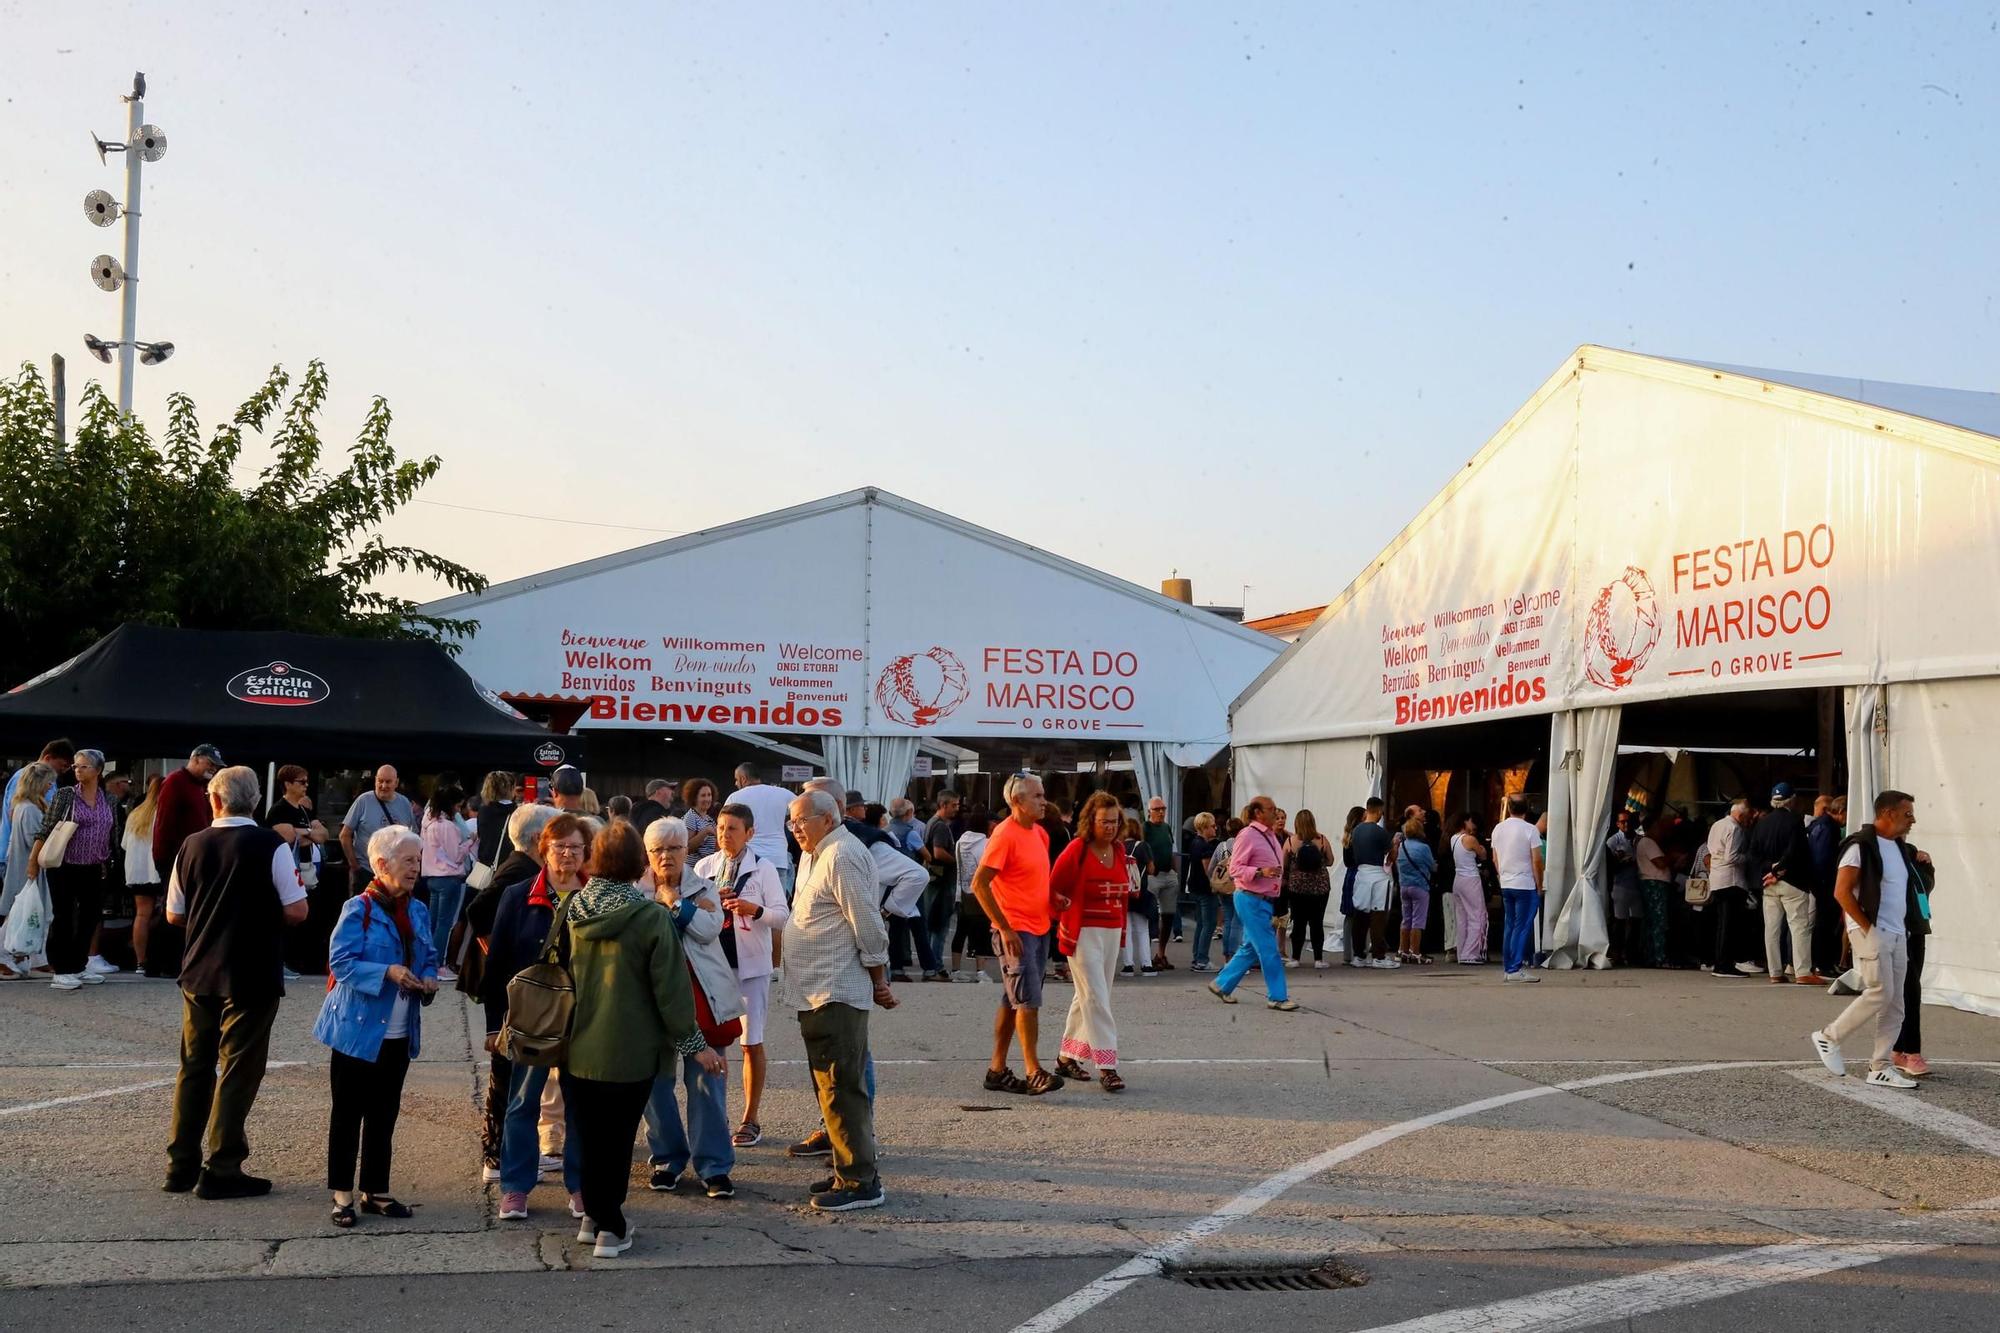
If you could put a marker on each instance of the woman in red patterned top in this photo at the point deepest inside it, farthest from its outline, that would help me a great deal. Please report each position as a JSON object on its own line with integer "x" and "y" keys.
{"x": 1092, "y": 890}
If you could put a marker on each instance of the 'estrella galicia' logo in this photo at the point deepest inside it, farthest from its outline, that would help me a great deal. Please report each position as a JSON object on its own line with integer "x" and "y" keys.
{"x": 279, "y": 684}
{"x": 548, "y": 754}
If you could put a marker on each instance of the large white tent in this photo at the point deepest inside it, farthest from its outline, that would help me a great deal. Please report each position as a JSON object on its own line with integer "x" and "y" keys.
{"x": 1647, "y": 529}
{"x": 870, "y": 624}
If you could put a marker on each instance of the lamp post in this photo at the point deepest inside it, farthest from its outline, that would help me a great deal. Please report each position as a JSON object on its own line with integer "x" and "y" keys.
{"x": 143, "y": 143}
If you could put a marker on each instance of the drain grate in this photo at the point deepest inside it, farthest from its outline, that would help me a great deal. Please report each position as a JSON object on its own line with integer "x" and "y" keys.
{"x": 1329, "y": 1276}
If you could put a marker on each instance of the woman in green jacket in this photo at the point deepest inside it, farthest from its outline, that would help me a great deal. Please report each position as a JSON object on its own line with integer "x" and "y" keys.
{"x": 634, "y": 1018}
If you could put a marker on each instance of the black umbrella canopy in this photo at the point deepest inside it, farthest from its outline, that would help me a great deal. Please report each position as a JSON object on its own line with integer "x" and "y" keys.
{"x": 287, "y": 698}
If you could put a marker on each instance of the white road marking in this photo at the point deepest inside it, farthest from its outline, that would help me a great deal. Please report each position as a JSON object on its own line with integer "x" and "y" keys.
{"x": 147, "y": 1086}
{"x": 1150, "y": 1262}
{"x": 1656, "y": 1289}
{"x": 1217, "y": 1060}
{"x": 1908, "y": 1107}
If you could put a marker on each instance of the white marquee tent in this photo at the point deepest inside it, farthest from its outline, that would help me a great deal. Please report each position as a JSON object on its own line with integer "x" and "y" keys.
{"x": 871, "y": 624}
{"x": 1648, "y": 529}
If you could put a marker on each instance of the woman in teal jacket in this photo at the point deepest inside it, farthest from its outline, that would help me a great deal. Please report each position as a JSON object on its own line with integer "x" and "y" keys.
{"x": 382, "y": 970}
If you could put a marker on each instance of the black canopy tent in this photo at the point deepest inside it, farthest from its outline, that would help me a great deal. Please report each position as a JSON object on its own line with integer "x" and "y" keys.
{"x": 264, "y": 696}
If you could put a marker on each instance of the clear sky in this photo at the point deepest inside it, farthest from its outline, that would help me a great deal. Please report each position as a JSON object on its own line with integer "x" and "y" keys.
{"x": 1224, "y": 289}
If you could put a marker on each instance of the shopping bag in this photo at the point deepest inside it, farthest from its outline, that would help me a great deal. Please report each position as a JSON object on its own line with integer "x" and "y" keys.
{"x": 28, "y": 923}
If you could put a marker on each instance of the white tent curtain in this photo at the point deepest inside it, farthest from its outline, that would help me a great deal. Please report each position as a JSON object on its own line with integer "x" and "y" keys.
{"x": 1867, "y": 708}
{"x": 1276, "y": 771}
{"x": 1945, "y": 758}
{"x": 1378, "y": 767}
{"x": 1584, "y": 748}
{"x": 1153, "y": 765}
{"x": 876, "y": 766}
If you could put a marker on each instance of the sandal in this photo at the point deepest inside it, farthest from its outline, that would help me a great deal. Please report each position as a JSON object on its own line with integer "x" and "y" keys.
{"x": 343, "y": 1214}
{"x": 1005, "y": 1080}
{"x": 382, "y": 1205}
{"x": 1042, "y": 1081}
{"x": 1112, "y": 1083}
{"x": 1069, "y": 1068}
{"x": 748, "y": 1134}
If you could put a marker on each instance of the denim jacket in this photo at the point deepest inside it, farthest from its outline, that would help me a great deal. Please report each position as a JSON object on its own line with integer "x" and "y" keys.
{"x": 355, "y": 1015}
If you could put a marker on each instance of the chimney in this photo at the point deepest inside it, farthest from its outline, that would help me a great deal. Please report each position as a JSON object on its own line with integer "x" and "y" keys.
{"x": 1181, "y": 590}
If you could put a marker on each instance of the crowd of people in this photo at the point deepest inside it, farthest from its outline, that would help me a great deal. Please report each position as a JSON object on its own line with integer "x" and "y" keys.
{"x": 620, "y": 950}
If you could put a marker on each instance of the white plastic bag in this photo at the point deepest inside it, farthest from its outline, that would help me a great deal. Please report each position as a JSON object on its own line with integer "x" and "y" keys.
{"x": 28, "y": 922}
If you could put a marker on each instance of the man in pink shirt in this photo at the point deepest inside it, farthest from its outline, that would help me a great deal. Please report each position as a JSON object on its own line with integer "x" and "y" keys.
{"x": 1256, "y": 864}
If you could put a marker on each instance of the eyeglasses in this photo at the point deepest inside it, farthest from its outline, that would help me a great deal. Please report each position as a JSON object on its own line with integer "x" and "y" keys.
{"x": 565, "y": 849}
{"x": 796, "y": 824}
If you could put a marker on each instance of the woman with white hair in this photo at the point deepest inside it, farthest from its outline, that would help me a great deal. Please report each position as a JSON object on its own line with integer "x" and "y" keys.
{"x": 89, "y": 871}
{"x": 696, "y": 905}
{"x": 383, "y": 965}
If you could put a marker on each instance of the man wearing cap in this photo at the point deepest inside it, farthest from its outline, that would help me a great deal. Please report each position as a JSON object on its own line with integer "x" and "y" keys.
{"x": 566, "y": 789}
{"x": 1780, "y": 860}
{"x": 181, "y": 810}
{"x": 57, "y": 754}
{"x": 370, "y": 813}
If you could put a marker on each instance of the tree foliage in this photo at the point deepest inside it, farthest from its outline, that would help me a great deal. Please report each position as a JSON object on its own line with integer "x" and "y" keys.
{"x": 113, "y": 527}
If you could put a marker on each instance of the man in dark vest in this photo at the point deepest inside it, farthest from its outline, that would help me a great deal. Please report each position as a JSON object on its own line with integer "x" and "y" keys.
{"x": 235, "y": 888}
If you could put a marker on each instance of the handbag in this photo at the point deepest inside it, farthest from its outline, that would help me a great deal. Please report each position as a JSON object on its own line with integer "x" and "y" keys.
{"x": 1219, "y": 878}
{"x": 1696, "y": 891}
{"x": 27, "y": 929}
{"x": 541, "y": 1005}
{"x": 56, "y": 845}
{"x": 482, "y": 872}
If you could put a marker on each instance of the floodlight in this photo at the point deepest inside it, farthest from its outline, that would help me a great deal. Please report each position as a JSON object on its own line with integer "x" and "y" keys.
{"x": 107, "y": 273}
{"x": 100, "y": 208}
{"x": 150, "y": 143}
{"x": 103, "y": 147}
{"x": 151, "y": 354}
{"x": 98, "y": 347}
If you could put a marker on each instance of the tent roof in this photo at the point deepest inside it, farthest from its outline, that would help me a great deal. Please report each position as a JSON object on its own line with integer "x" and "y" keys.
{"x": 1963, "y": 424}
{"x": 468, "y": 603}
{"x": 143, "y": 690}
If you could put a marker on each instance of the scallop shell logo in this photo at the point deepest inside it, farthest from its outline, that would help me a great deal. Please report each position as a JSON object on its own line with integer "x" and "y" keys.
{"x": 921, "y": 689}
{"x": 1623, "y": 630}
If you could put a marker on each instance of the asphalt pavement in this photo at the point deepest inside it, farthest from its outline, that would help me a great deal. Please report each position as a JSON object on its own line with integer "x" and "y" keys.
{"x": 1651, "y": 1147}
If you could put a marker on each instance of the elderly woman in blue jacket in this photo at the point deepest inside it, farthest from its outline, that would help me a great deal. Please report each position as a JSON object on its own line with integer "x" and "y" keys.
{"x": 382, "y": 970}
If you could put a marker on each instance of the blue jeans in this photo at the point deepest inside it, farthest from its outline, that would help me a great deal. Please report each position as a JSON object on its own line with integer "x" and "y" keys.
{"x": 1232, "y": 929}
{"x": 1518, "y": 926}
{"x": 1260, "y": 942}
{"x": 940, "y": 915}
{"x": 667, "y": 1144}
{"x": 443, "y": 894}
{"x": 1207, "y": 910}
{"x": 785, "y": 880}
{"x": 520, "y": 1148}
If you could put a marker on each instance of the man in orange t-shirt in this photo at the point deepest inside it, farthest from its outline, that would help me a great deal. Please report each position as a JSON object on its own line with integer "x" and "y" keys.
{"x": 1012, "y": 884}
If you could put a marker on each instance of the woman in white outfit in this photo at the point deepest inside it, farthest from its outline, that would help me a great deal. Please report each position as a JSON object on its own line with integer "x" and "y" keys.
{"x": 1138, "y": 919}
{"x": 1468, "y": 889}
{"x": 755, "y": 899}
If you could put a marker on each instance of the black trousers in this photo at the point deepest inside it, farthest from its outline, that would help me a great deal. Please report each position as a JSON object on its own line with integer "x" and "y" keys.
{"x": 1731, "y": 908}
{"x": 367, "y": 1097}
{"x": 495, "y": 1108}
{"x": 76, "y": 909}
{"x": 1911, "y": 1041}
{"x": 1308, "y": 920}
{"x": 1829, "y": 929}
{"x": 606, "y": 1119}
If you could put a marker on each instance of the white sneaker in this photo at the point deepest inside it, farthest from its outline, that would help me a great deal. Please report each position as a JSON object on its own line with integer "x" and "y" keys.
{"x": 1524, "y": 975}
{"x": 488, "y": 1174}
{"x": 292, "y": 976}
{"x": 89, "y": 978}
{"x": 446, "y": 974}
{"x": 1385, "y": 963}
{"x": 981, "y": 976}
{"x": 587, "y": 1229}
{"x": 1829, "y": 1054}
{"x": 610, "y": 1246}
{"x": 1357, "y": 962}
{"x": 1891, "y": 1078}
{"x": 1291, "y": 962}
{"x": 100, "y": 966}
{"x": 1321, "y": 965}
{"x": 65, "y": 981}
{"x": 1748, "y": 969}
{"x": 550, "y": 1162}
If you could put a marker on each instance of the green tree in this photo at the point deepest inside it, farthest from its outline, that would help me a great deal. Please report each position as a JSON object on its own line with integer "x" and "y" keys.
{"x": 113, "y": 528}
